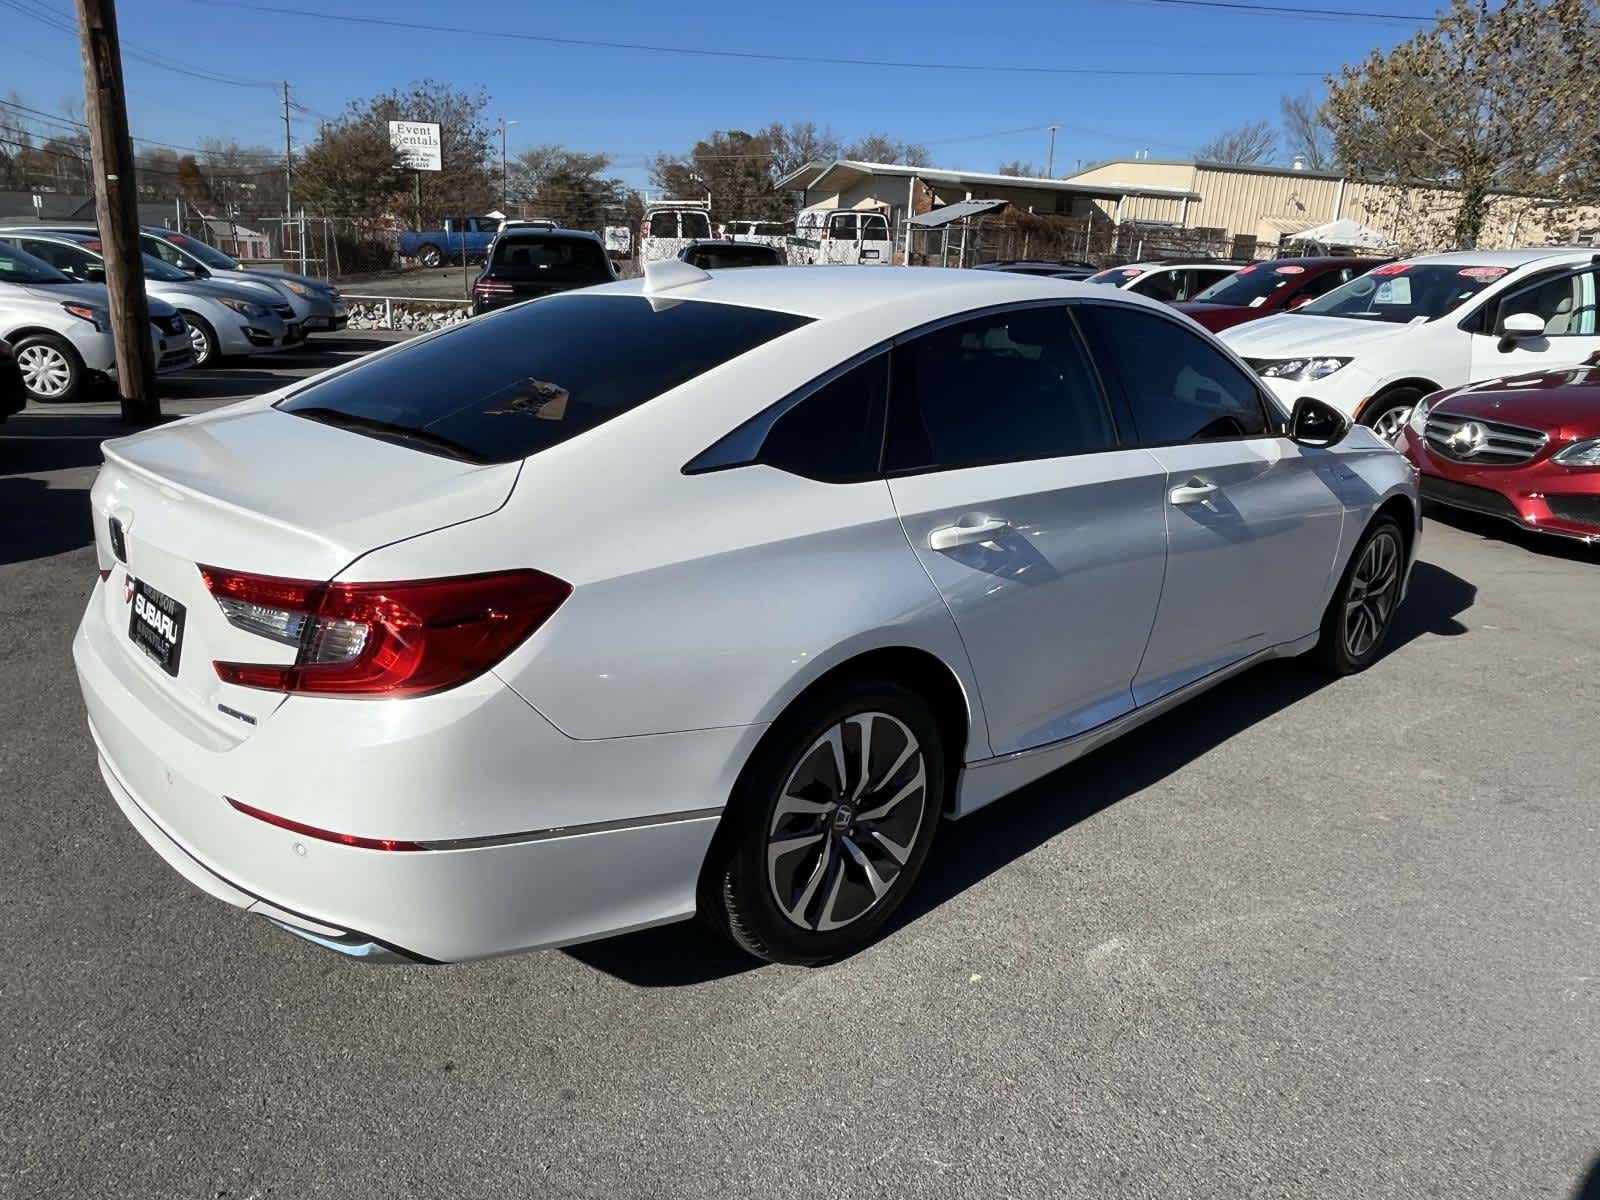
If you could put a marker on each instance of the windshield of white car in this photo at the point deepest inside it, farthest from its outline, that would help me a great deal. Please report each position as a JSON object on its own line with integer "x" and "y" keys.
{"x": 504, "y": 387}
{"x": 1116, "y": 276}
{"x": 1254, "y": 282}
{"x": 210, "y": 255}
{"x": 18, "y": 266}
{"x": 1400, "y": 293}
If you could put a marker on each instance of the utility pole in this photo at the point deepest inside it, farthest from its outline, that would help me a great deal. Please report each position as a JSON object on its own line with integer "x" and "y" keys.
{"x": 1050, "y": 163}
{"x": 288, "y": 164}
{"x": 116, "y": 205}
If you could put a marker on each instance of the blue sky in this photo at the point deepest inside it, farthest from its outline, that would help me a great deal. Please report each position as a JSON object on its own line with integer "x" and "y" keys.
{"x": 634, "y": 103}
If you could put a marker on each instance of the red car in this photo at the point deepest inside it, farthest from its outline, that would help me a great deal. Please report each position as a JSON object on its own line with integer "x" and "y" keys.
{"x": 1264, "y": 288}
{"x": 1525, "y": 448}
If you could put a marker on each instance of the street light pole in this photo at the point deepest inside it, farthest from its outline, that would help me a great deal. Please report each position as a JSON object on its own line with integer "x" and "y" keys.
{"x": 1050, "y": 163}
{"x": 504, "y": 202}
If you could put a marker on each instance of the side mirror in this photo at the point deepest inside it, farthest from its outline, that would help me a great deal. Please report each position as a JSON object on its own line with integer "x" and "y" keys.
{"x": 197, "y": 271}
{"x": 1522, "y": 325}
{"x": 1316, "y": 424}
{"x": 95, "y": 274}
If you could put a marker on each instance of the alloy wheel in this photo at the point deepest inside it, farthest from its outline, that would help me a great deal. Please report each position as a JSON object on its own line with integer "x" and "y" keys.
{"x": 846, "y": 821}
{"x": 1390, "y": 422}
{"x": 45, "y": 370}
{"x": 201, "y": 344}
{"x": 1374, "y": 589}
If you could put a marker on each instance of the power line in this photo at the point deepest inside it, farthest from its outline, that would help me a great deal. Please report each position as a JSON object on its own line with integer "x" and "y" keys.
{"x": 1286, "y": 10}
{"x": 46, "y": 16}
{"x": 749, "y": 55}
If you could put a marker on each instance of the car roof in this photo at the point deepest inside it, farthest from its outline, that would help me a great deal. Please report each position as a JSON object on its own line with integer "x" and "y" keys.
{"x": 839, "y": 293}
{"x": 66, "y": 235}
{"x": 524, "y": 233}
{"x": 1508, "y": 258}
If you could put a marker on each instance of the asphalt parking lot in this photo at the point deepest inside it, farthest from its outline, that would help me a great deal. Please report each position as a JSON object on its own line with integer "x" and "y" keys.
{"x": 1298, "y": 939}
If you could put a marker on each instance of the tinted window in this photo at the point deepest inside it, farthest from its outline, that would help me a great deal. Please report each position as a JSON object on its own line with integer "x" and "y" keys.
{"x": 1321, "y": 285}
{"x": 1566, "y": 304}
{"x": 1179, "y": 388}
{"x": 18, "y": 266}
{"x": 505, "y": 387}
{"x": 836, "y": 433}
{"x": 553, "y": 259}
{"x": 1249, "y": 286}
{"x": 663, "y": 225}
{"x": 695, "y": 224}
{"x": 67, "y": 259}
{"x": 1007, "y": 387}
{"x": 1163, "y": 285}
{"x": 875, "y": 227}
{"x": 842, "y": 226}
{"x": 729, "y": 255}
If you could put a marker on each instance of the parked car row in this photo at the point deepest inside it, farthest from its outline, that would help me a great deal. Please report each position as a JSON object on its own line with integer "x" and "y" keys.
{"x": 205, "y": 305}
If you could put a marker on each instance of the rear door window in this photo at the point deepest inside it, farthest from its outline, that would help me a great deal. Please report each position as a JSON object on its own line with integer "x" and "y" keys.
{"x": 505, "y": 387}
{"x": 842, "y": 225}
{"x": 664, "y": 225}
{"x": 695, "y": 225}
{"x": 1006, "y": 387}
{"x": 875, "y": 228}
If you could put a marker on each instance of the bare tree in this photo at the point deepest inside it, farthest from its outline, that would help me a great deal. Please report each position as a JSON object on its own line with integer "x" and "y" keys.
{"x": 1487, "y": 99}
{"x": 1023, "y": 170}
{"x": 881, "y": 148}
{"x": 1306, "y": 132}
{"x": 1250, "y": 143}
{"x": 796, "y": 144}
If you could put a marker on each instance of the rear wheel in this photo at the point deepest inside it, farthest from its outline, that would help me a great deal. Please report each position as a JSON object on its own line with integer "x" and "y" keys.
{"x": 429, "y": 255}
{"x": 204, "y": 340}
{"x": 1363, "y": 607}
{"x": 51, "y": 369}
{"x": 830, "y": 825}
{"x": 1387, "y": 415}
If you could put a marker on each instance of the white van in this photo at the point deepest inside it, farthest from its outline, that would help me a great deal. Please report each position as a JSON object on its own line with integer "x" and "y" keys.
{"x": 841, "y": 236}
{"x": 670, "y": 225}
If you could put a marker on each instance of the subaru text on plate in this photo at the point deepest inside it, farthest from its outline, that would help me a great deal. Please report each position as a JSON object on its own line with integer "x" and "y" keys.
{"x": 699, "y": 593}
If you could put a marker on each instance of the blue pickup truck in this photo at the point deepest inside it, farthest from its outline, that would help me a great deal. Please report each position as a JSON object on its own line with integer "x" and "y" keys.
{"x": 461, "y": 235}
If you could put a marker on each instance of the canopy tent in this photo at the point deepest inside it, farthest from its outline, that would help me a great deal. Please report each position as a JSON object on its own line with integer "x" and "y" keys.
{"x": 1343, "y": 234}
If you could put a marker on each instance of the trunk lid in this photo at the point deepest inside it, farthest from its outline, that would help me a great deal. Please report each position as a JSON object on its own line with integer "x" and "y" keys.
{"x": 253, "y": 489}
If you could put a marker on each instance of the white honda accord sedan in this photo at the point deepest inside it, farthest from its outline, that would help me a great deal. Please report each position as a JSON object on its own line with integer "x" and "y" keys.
{"x": 699, "y": 593}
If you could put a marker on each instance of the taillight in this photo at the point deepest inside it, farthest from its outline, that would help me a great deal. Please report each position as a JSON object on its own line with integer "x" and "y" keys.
{"x": 492, "y": 287}
{"x": 326, "y": 835}
{"x": 382, "y": 639}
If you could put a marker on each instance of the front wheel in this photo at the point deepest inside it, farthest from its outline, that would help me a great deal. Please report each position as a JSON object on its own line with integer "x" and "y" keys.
{"x": 830, "y": 825}
{"x": 204, "y": 340}
{"x": 1362, "y": 609}
{"x": 1388, "y": 414}
{"x": 51, "y": 369}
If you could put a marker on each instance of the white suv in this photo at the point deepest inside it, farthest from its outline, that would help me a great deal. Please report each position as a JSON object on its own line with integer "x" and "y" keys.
{"x": 1375, "y": 346}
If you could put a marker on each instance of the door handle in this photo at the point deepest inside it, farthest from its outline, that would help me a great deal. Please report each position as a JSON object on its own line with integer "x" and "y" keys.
{"x": 1195, "y": 491}
{"x": 982, "y": 529}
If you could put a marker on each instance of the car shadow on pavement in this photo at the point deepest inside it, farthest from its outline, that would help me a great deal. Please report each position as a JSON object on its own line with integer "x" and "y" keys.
{"x": 970, "y": 850}
{"x": 1496, "y": 530}
{"x": 44, "y": 517}
{"x": 1589, "y": 1186}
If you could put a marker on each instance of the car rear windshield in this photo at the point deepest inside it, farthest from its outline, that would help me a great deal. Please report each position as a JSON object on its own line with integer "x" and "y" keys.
{"x": 552, "y": 259}
{"x": 1252, "y": 283}
{"x": 1402, "y": 292}
{"x": 733, "y": 256}
{"x": 501, "y": 388}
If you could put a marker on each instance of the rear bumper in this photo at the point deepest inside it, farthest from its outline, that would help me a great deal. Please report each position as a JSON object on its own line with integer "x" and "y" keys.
{"x": 1539, "y": 496}
{"x": 549, "y": 840}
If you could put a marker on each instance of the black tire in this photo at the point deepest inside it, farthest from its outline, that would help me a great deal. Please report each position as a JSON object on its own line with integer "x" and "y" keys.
{"x": 832, "y": 876}
{"x": 1337, "y": 651}
{"x": 429, "y": 256}
{"x": 1386, "y": 415}
{"x": 200, "y": 332}
{"x": 49, "y": 356}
